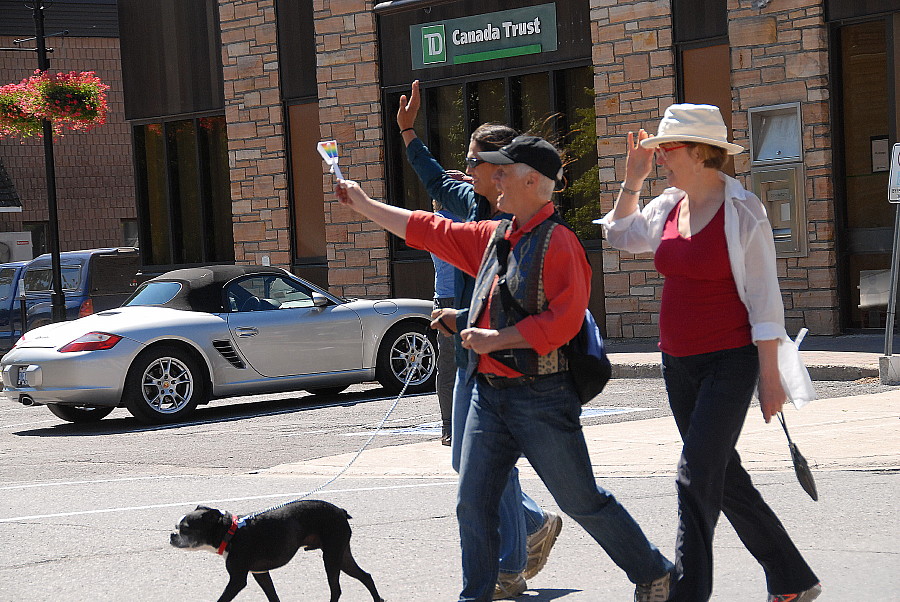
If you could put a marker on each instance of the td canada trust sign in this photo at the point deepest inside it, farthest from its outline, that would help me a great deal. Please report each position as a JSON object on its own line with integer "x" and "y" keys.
{"x": 502, "y": 34}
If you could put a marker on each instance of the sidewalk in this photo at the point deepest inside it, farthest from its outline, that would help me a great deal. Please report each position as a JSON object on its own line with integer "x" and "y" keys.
{"x": 843, "y": 433}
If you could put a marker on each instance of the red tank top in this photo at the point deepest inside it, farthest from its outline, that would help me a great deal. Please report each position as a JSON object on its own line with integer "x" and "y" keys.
{"x": 700, "y": 310}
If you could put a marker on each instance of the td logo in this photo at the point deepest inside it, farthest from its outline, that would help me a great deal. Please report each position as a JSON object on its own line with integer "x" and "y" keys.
{"x": 434, "y": 50}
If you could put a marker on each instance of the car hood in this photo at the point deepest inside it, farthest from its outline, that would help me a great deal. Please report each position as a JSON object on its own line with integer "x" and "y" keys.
{"x": 131, "y": 322}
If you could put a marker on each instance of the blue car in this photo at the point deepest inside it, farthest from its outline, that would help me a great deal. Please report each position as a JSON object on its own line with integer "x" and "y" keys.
{"x": 93, "y": 280}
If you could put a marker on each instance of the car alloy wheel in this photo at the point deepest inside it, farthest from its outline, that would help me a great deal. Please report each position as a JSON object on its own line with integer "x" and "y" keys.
{"x": 163, "y": 385}
{"x": 408, "y": 351}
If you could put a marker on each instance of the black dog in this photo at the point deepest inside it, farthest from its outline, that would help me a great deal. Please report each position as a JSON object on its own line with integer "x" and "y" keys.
{"x": 270, "y": 539}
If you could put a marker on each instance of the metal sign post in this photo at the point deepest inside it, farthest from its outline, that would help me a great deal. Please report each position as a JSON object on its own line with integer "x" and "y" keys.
{"x": 889, "y": 366}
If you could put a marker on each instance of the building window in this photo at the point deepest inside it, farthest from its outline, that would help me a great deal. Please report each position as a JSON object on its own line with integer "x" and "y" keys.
{"x": 557, "y": 105}
{"x": 38, "y": 236}
{"x": 130, "y": 236}
{"x": 703, "y": 56}
{"x": 184, "y": 195}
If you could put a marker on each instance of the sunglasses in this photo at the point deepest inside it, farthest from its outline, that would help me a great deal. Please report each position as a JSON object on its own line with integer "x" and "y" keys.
{"x": 473, "y": 162}
{"x": 665, "y": 150}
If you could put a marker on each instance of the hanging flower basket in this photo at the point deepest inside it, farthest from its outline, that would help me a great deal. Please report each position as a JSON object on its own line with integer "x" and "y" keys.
{"x": 70, "y": 101}
{"x": 73, "y": 101}
{"x": 15, "y": 120}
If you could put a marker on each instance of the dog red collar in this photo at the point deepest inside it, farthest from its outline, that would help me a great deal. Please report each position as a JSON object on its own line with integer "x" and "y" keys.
{"x": 231, "y": 531}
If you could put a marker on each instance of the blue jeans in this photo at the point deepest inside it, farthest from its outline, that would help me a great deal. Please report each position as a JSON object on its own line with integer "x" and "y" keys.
{"x": 543, "y": 421}
{"x": 709, "y": 395}
{"x": 520, "y": 516}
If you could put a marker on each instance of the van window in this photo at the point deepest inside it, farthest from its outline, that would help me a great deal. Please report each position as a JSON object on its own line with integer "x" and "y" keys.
{"x": 41, "y": 279}
{"x": 113, "y": 274}
{"x": 7, "y": 282}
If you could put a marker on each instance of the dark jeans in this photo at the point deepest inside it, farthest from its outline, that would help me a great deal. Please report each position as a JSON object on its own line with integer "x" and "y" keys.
{"x": 543, "y": 421}
{"x": 709, "y": 395}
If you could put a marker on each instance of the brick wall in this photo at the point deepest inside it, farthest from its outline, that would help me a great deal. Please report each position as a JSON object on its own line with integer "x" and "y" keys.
{"x": 257, "y": 154}
{"x": 94, "y": 172}
{"x": 634, "y": 70}
{"x": 350, "y": 112}
{"x": 778, "y": 55}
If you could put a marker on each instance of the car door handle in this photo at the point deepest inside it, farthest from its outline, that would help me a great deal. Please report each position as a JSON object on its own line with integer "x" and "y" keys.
{"x": 247, "y": 331}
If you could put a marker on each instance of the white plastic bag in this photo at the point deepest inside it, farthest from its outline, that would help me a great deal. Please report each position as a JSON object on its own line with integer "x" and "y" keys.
{"x": 794, "y": 375}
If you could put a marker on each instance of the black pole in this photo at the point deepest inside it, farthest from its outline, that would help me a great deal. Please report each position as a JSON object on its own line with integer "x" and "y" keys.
{"x": 57, "y": 298}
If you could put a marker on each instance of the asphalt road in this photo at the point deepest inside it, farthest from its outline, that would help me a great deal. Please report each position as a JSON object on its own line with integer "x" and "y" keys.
{"x": 85, "y": 510}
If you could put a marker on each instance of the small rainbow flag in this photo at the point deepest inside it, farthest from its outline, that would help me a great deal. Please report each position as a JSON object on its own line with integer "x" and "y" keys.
{"x": 329, "y": 151}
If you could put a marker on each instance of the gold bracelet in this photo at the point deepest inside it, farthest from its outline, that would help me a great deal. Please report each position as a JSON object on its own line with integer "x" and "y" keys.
{"x": 628, "y": 190}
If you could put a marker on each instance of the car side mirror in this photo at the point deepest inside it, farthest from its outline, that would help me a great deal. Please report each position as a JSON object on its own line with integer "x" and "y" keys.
{"x": 320, "y": 300}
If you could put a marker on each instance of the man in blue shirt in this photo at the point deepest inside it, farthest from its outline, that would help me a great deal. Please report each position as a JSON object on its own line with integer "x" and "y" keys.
{"x": 527, "y": 533}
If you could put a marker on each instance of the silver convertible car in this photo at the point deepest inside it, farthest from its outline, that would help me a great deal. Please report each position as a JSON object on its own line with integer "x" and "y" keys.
{"x": 195, "y": 334}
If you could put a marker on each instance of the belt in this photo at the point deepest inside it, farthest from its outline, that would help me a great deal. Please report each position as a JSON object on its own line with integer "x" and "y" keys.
{"x": 503, "y": 382}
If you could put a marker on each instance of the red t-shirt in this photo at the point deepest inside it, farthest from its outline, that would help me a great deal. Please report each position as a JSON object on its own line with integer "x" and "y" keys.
{"x": 700, "y": 310}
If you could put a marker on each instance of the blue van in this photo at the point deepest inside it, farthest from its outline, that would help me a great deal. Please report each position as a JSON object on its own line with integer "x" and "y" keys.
{"x": 10, "y": 315}
{"x": 93, "y": 280}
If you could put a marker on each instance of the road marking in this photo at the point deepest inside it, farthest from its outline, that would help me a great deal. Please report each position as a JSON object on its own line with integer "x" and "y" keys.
{"x": 435, "y": 428}
{"x": 92, "y": 482}
{"x": 289, "y": 496}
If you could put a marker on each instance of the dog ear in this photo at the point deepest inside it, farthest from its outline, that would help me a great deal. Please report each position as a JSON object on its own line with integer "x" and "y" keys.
{"x": 204, "y": 508}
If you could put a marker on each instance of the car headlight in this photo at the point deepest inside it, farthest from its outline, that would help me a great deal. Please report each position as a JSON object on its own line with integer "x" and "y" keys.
{"x": 92, "y": 341}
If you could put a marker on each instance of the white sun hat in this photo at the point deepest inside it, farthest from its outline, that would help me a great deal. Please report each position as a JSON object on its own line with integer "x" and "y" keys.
{"x": 693, "y": 123}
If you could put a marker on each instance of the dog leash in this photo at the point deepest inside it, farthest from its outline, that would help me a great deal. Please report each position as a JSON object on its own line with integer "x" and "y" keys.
{"x": 365, "y": 445}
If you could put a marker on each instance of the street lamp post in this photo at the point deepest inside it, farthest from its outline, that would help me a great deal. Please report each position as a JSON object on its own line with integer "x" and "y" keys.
{"x": 57, "y": 297}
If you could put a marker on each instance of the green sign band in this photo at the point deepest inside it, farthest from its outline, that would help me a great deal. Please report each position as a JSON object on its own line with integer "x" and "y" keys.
{"x": 496, "y": 54}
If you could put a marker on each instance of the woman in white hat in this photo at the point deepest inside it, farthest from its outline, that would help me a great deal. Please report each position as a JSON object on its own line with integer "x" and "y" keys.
{"x": 721, "y": 319}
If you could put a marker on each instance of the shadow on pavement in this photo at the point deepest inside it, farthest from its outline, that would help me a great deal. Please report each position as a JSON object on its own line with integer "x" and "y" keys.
{"x": 222, "y": 410}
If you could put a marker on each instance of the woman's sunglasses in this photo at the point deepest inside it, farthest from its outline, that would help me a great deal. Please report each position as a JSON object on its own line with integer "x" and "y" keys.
{"x": 473, "y": 162}
{"x": 665, "y": 150}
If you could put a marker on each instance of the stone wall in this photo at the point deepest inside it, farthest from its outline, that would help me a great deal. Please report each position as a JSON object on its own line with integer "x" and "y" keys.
{"x": 257, "y": 154}
{"x": 350, "y": 112}
{"x": 634, "y": 78}
{"x": 778, "y": 55}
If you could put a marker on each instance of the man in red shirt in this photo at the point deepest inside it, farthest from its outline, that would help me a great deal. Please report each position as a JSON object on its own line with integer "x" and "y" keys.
{"x": 525, "y": 400}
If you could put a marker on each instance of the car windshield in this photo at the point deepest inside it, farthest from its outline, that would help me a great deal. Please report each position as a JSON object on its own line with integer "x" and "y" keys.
{"x": 7, "y": 286}
{"x": 154, "y": 293}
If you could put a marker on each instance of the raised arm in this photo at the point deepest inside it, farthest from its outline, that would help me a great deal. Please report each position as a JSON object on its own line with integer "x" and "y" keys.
{"x": 393, "y": 219}
{"x": 407, "y": 112}
{"x": 637, "y": 167}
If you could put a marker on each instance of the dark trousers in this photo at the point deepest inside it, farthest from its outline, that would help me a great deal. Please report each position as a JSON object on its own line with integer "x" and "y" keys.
{"x": 446, "y": 370}
{"x": 709, "y": 395}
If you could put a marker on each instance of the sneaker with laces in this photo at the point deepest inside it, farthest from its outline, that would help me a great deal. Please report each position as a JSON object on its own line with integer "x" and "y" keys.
{"x": 805, "y": 596}
{"x": 540, "y": 543}
{"x": 655, "y": 591}
{"x": 509, "y": 585}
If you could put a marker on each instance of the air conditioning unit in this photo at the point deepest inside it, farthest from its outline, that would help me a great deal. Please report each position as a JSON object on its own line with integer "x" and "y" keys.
{"x": 15, "y": 246}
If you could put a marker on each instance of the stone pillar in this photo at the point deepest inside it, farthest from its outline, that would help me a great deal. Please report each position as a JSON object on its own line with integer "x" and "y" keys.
{"x": 634, "y": 83}
{"x": 350, "y": 112}
{"x": 257, "y": 154}
{"x": 779, "y": 55}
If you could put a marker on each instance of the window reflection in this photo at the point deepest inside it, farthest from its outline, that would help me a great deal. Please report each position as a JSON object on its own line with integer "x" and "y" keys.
{"x": 184, "y": 191}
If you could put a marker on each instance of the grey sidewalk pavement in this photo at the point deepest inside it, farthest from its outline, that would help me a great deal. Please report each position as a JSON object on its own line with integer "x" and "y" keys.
{"x": 842, "y": 433}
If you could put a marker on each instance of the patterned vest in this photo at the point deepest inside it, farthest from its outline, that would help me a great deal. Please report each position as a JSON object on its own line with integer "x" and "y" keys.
{"x": 524, "y": 279}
